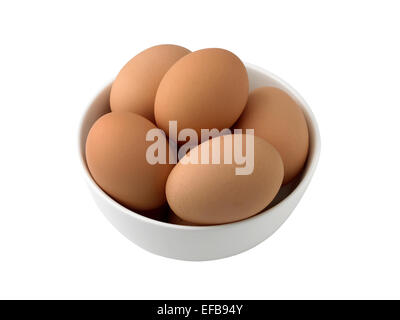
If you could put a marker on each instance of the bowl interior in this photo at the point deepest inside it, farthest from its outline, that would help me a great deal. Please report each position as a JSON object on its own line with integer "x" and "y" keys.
{"x": 257, "y": 78}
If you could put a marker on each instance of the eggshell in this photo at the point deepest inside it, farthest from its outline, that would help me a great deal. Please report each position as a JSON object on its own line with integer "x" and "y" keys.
{"x": 212, "y": 193}
{"x": 116, "y": 157}
{"x": 276, "y": 117}
{"x": 174, "y": 219}
{"x": 135, "y": 87}
{"x": 205, "y": 89}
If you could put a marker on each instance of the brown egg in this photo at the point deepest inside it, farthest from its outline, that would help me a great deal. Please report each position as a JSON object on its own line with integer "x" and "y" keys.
{"x": 276, "y": 117}
{"x": 174, "y": 219}
{"x": 205, "y": 89}
{"x": 214, "y": 193}
{"x": 135, "y": 87}
{"x": 116, "y": 157}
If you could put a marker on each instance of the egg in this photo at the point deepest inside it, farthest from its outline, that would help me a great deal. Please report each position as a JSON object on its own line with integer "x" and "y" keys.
{"x": 116, "y": 149}
{"x": 135, "y": 87}
{"x": 215, "y": 193}
{"x": 174, "y": 219}
{"x": 277, "y": 118}
{"x": 205, "y": 89}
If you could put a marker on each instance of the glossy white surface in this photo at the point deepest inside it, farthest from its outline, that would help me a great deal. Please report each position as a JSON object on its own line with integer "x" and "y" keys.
{"x": 211, "y": 242}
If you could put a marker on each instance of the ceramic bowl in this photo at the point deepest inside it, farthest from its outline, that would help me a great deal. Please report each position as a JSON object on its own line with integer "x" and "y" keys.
{"x": 203, "y": 242}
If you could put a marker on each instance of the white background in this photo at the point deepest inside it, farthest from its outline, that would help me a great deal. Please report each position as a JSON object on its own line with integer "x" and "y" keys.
{"x": 342, "y": 241}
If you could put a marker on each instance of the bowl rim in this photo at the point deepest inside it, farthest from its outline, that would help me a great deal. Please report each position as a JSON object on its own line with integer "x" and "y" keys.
{"x": 312, "y": 163}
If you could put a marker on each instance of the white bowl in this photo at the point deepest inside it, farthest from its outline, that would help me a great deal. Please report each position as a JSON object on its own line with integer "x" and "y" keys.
{"x": 204, "y": 242}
